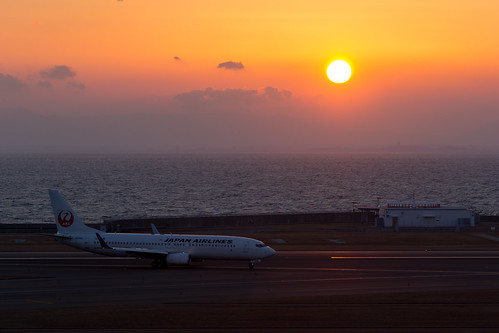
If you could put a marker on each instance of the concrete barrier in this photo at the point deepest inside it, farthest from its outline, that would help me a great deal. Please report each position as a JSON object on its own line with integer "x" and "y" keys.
{"x": 135, "y": 225}
{"x": 200, "y": 222}
{"x": 34, "y": 228}
{"x": 164, "y": 223}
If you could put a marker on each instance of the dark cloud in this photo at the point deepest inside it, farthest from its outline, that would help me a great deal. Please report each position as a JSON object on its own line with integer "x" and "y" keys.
{"x": 276, "y": 95}
{"x": 60, "y": 72}
{"x": 75, "y": 85}
{"x": 9, "y": 83}
{"x": 44, "y": 84}
{"x": 219, "y": 96}
{"x": 213, "y": 100}
{"x": 232, "y": 65}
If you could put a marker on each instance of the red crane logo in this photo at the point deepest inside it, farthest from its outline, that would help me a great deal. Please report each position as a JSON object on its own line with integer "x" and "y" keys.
{"x": 65, "y": 218}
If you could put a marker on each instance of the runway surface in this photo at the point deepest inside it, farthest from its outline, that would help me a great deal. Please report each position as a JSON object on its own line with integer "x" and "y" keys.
{"x": 65, "y": 279}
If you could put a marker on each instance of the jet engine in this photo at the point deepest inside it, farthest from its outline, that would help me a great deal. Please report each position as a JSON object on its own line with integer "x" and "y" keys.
{"x": 181, "y": 258}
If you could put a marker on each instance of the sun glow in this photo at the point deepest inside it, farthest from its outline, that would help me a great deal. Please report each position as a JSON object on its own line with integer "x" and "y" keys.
{"x": 339, "y": 71}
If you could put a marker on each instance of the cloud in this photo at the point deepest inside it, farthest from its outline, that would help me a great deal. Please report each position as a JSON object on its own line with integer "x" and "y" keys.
{"x": 177, "y": 58}
{"x": 44, "y": 84}
{"x": 196, "y": 119}
{"x": 232, "y": 65}
{"x": 60, "y": 72}
{"x": 276, "y": 95}
{"x": 230, "y": 99}
{"x": 270, "y": 118}
{"x": 9, "y": 83}
{"x": 75, "y": 85}
{"x": 214, "y": 96}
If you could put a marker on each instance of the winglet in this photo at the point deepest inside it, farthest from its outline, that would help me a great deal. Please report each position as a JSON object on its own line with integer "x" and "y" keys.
{"x": 154, "y": 229}
{"x": 102, "y": 242}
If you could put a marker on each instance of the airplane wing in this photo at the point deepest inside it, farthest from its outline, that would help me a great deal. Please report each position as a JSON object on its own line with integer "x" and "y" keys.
{"x": 57, "y": 236}
{"x": 137, "y": 251}
{"x": 141, "y": 252}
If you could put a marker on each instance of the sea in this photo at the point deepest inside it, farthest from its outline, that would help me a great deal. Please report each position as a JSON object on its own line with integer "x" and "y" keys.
{"x": 103, "y": 187}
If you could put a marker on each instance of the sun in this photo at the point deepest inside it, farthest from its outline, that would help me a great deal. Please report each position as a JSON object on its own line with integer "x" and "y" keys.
{"x": 339, "y": 71}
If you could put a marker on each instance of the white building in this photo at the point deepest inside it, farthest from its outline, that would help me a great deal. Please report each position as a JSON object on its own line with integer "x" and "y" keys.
{"x": 424, "y": 215}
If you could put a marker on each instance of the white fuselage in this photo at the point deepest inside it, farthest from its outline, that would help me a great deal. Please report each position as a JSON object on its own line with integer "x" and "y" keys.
{"x": 163, "y": 249}
{"x": 197, "y": 246}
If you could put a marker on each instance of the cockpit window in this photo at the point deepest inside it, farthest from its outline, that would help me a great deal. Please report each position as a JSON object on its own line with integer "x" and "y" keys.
{"x": 260, "y": 245}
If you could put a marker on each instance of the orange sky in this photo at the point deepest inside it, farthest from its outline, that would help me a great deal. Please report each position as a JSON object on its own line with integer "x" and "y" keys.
{"x": 124, "y": 51}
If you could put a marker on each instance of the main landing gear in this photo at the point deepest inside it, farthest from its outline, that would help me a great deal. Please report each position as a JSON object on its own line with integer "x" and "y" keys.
{"x": 159, "y": 263}
{"x": 253, "y": 262}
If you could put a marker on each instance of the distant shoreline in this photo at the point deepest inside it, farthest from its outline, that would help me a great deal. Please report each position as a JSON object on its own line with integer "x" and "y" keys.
{"x": 394, "y": 149}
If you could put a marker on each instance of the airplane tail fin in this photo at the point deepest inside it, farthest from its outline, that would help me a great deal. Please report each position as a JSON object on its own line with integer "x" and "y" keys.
{"x": 65, "y": 217}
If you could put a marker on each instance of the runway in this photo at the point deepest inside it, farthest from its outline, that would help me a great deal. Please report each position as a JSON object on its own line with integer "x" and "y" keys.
{"x": 74, "y": 279}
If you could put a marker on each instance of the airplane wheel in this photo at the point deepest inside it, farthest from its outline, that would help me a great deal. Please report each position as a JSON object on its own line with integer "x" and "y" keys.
{"x": 155, "y": 264}
{"x": 251, "y": 265}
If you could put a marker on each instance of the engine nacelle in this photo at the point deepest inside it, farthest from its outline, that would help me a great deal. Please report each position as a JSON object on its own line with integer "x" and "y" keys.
{"x": 181, "y": 258}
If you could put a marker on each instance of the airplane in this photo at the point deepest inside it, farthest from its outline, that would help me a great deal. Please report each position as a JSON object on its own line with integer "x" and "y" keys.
{"x": 164, "y": 249}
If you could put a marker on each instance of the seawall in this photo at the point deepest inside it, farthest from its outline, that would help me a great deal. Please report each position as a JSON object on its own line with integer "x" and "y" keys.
{"x": 135, "y": 225}
{"x": 342, "y": 219}
{"x": 165, "y": 223}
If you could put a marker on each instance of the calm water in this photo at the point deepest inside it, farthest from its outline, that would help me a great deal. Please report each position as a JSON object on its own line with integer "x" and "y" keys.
{"x": 185, "y": 185}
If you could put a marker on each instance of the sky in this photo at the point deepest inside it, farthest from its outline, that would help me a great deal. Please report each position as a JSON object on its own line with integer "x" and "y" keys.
{"x": 110, "y": 76}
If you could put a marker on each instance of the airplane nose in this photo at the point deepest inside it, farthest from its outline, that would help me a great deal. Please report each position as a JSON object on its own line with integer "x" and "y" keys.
{"x": 270, "y": 252}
